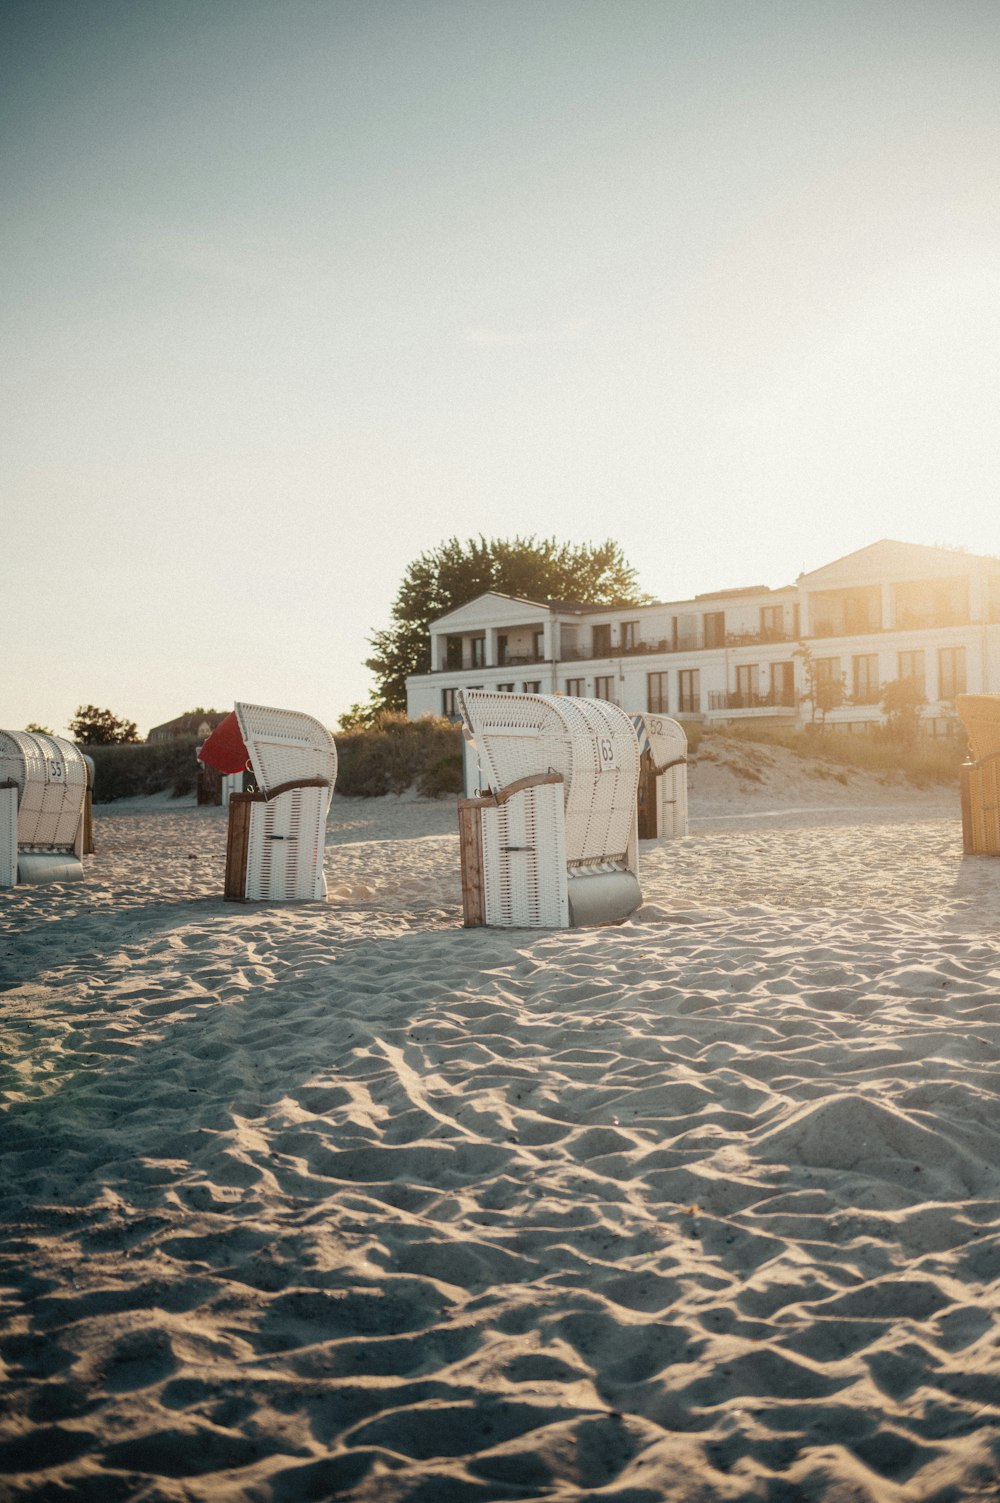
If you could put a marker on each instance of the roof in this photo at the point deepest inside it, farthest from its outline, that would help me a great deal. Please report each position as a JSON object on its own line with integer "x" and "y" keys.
{"x": 889, "y": 558}
{"x": 189, "y": 724}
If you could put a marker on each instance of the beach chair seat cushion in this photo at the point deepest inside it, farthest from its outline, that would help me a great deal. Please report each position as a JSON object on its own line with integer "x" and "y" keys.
{"x": 601, "y": 895}
{"x": 48, "y": 866}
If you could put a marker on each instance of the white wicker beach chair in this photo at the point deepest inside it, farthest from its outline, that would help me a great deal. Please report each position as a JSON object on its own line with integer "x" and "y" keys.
{"x": 277, "y": 834}
{"x": 980, "y": 777}
{"x": 43, "y": 791}
{"x": 663, "y": 790}
{"x": 551, "y": 839}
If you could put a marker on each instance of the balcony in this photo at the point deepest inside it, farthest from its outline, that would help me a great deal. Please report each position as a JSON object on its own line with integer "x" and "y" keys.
{"x": 758, "y": 638}
{"x": 775, "y": 699}
{"x": 617, "y": 650}
{"x": 518, "y": 660}
{"x": 845, "y": 629}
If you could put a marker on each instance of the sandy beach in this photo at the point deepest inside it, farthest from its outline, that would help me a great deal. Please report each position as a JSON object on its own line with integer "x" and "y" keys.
{"x": 342, "y": 1201}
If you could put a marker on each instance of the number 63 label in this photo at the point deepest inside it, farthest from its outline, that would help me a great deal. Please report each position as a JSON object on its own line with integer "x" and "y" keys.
{"x": 607, "y": 756}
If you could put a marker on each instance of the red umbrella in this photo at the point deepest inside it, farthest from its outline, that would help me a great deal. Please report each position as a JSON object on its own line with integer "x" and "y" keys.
{"x": 225, "y": 749}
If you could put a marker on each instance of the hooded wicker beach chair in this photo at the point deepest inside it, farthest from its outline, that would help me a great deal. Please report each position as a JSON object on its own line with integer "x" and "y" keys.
{"x": 43, "y": 800}
{"x": 277, "y": 832}
{"x": 663, "y": 792}
{"x": 550, "y": 841}
{"x": 980, "y": 777}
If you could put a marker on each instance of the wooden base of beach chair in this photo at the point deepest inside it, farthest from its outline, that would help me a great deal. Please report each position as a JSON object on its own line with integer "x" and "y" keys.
{"x": 238, "y": 845}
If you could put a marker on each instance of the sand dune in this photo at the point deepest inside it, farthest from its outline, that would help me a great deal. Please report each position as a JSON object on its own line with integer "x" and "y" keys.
{"x": 342, "y": 1201}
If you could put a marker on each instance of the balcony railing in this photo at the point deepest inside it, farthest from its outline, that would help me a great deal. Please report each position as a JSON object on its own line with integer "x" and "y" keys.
{"x": 757, "y": 638}
{"x": 618, "y": 650}
{"x": 775, "y": 699}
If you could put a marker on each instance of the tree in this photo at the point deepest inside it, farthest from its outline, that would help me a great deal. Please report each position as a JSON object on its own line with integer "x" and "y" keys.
{"x": 38, "y": 730}
{"x": 91, "y": 726}
{"x": 448, "y": 576}
{"x": 902, "y": 701}
{"x": 823, "y": 691}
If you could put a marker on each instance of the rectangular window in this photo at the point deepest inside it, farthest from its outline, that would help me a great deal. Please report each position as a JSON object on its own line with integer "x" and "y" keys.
{"x": 448, "y": 703}
{"x": 505, "y": 688}
{"x": 827, "y": 671}
{"x": 772, "y": 623}
{"x": 501, "y": 648}
{"x": 864, "y": 678}
{"x": 656, "y": 693}
{"x": 453, "y": 652}
{"x": 576, "y": 687}
{"x": 715, "y": 628}
{"x": 604, "y": 687}
{"x": 951, "y": 672}
{"x": 535, "y": 687}
{"x": 479, "y": 652}
{"x": 911, "y": 665}
{"x": 689, "y": 691}
{"x": 747, "y": 686}
{"x": 601, "y": 640}
{"x": 539, "y": 646}
{"x": 629, "y": 636}
{"x": 783, "y": 683}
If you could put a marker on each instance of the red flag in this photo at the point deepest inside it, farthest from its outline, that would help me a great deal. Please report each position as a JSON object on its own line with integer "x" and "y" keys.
{"x": 225, "y": 749}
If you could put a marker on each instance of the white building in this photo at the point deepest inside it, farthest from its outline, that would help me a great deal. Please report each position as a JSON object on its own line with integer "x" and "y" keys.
{"x": 890, "y": 611}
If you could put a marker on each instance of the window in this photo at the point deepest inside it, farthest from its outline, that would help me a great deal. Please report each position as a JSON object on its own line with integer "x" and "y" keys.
{"x": 601, "y": 640}
{"x": 772, "y": 623}
{"x": 656, "y": 693}
{"x": 479, "y": 652}
{"x": 535, "y": 687}
{"x": 864, "y": 678}
{"x": 505, "y": 688}
{"x": 501, "y": 647}
{"x": 827, "y": 672}
{"x": 448, "y": 703}
{"x": 453, "y": 652}
{"x": 715, "y": 628}
{"x": 604, "y": 687}
{"x": 539, "y": 646}
{"x": 911, "y": 665}
{"x": 629, "y": 636}
{"x": 688, "y": 691}
{"x": 783, "y": 683}
{"x": 576, "y": 687}
{"x": 951, "y": 672}
{"x": 747, "y": 686}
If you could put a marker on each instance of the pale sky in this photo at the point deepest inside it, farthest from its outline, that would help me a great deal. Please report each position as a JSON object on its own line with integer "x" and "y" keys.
{"x": 297, "y": 289}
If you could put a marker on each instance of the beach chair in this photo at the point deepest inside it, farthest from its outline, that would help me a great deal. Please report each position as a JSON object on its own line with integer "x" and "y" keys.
{"x": 550, "y": 841}
{"x": 277, "y": 833}
{"x": 663, "y": 791}
{"x": 43, "y": 797}
{"x": 980, "y": 777}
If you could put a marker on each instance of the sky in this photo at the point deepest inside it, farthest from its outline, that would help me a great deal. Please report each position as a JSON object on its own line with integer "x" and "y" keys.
{"x": 294, "y": 292}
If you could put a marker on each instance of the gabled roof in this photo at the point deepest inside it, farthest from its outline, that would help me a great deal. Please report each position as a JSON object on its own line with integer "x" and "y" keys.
{"x": 189, "y": 724}
{"x": 570, "y": 607}
{"x": 890, "y": 559}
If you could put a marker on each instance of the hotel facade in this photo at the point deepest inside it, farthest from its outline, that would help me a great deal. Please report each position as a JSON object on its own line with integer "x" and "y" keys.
{"x": 889, "y": 611}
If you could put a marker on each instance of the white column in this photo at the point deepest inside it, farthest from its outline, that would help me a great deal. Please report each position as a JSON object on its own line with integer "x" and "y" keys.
{"x": 549, "y": 628}
{"x": 491, "y": 647}
{"x": 888, "y": 613}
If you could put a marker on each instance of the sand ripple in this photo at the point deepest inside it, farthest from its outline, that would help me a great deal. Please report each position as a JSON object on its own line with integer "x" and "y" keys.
{"x": 347, "y": 1202}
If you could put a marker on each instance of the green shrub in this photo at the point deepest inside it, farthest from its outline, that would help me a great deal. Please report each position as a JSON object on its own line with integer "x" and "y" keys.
{"x": 123, "y": 770}
{"x": 395, "y": 754}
